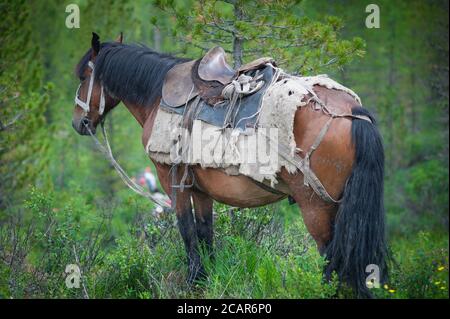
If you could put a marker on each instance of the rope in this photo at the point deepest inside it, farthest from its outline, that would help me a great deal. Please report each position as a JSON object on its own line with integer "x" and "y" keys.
{"x": 107, "y": 152}
{"x": 242, "y": 86}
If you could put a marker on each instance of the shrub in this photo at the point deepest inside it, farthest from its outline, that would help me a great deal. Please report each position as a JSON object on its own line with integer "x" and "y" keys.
{"x": 421, "y": 269}
{"x": 257, "y": 254}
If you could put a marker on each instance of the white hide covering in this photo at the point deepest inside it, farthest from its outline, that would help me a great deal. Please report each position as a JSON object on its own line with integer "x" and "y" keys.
{"x": 240, "y": 152}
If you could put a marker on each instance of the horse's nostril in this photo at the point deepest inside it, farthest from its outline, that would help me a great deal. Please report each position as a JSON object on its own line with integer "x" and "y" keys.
{"x": 85, "y": 121}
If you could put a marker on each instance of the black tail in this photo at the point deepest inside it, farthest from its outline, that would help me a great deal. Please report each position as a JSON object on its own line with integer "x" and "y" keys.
{"x": 359, "y": 235}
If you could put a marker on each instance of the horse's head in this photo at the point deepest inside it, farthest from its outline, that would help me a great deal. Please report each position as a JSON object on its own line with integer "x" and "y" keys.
{"x": 92, "y": 103}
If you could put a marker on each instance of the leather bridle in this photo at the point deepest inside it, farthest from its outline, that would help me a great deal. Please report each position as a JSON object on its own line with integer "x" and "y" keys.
{"x": 86, "y": 105}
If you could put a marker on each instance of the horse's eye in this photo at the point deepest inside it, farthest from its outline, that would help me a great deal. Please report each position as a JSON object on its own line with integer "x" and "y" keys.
{"x": 82, "y": 78}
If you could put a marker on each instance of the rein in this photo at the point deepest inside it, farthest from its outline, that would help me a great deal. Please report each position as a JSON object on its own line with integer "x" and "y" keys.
{"x": 106, "y": 150}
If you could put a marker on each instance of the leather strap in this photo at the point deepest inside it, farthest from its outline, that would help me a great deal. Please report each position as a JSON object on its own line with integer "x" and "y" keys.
{"x": 310, "y": 178}
{"x": 268, "y": 188}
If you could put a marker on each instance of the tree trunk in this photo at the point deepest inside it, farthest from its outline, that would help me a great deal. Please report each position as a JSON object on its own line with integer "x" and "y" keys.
{"x": 157, "y": 39}
{"x": 237, "y": 41}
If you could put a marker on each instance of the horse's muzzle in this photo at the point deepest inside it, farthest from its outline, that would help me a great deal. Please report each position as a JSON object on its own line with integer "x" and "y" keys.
{"x": 82, "y": 125}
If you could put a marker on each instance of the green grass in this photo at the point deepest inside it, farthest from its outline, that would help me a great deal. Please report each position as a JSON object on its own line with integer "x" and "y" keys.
{"x": 124, "y": 253}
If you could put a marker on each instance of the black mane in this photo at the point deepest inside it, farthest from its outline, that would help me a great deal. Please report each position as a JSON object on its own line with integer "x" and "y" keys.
{"x": 130, "y": 72}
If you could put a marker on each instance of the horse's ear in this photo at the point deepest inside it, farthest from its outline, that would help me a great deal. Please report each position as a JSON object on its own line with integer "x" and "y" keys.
{"x": 95, "y": 44}
{"x": 119, "y": 39}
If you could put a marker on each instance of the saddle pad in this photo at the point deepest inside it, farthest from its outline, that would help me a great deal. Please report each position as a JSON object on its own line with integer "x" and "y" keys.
{"x": 277, "y": 114}
{"x": 247, "y": 114}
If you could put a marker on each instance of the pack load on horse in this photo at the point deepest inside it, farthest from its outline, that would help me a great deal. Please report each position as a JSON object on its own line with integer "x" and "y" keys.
{"x": 247, "y": 138}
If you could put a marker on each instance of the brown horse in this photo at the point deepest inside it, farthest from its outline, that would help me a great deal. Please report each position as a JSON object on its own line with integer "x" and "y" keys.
{"x": 349, "y": 162}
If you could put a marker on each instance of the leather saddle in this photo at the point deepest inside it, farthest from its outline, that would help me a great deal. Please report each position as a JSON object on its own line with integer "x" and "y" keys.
{"x": 206, "y": 78}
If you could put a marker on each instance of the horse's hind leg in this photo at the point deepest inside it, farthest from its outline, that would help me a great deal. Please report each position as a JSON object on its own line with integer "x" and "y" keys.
{"x": 203, "y": 206}
{"x": 317, "y": 215}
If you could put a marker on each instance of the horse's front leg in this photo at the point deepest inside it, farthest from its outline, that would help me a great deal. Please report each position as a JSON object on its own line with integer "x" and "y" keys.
{"x": 185, "y": 220}
{"x": 203, "y": 205}
{"x": 186, "y": 225}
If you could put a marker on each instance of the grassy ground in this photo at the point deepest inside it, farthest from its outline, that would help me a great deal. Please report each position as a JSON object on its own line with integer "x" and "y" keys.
{"x": 125, "y": 253}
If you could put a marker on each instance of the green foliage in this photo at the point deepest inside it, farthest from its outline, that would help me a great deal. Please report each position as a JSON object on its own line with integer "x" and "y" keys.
{"x": 418, "y": 195}
{"x": 23, "y": 104}
{"x": 264, "y": 28}
{"x": 43, "y": 241}
{"x": 144, "y": 261}
{"x": 256, "y": 256}
{"x": 422, "y": 269}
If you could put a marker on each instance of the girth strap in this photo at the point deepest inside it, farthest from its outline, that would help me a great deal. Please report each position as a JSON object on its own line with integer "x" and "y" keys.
{"x": 267, "y": 188}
